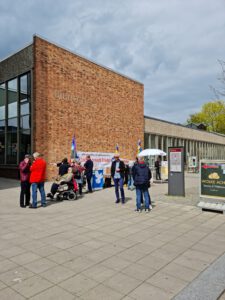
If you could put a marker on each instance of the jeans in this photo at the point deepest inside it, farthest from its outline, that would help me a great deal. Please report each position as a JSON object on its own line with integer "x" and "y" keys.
{"x": 139, "y": 191}
{"x": 25, "y": 191}
{"x": 130, "y": 182}
{"x": 40, "y": 186}
{"x": 119, "y": 183}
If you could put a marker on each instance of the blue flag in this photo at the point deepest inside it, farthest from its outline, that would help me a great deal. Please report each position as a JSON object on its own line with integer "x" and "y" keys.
{"x": 74, "y": 148}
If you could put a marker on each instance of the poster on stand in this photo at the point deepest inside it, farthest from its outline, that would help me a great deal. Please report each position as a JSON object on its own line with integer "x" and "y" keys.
{"x": 212, "y": 179}
{"x": 97, "y": 180}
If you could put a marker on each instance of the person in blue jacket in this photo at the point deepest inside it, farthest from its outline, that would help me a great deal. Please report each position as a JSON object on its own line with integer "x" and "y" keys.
{"x": 142, "y": 176}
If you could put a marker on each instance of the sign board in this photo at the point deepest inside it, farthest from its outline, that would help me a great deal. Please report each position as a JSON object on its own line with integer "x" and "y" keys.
{"x": 100, "y": 159}
{"x": 212, "y": 179}
{"x": 97, "y": 180}
{"x": 176, "y": 171}
{"x": 175, "y": 159}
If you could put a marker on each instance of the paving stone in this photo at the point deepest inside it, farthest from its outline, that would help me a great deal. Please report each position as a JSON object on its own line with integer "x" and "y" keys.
{"x": 99, "y": 273}
{"x": 9, "y": 294}
{"x": 181, "y": 272}
{"x": 25, "y": 258}
{"x": 78, "y": 284}
{"x": 40, "y": 265}
{"x": 122, "y": 283}
{"x": 32, "y": 286}
{"x": 54, "y": 293}
{"x": 171, "y": 285}
{"x": 147, "y": 291}
{"x": 6, "y": 265}
{"x": 57, "y": 274}
{"x": 12, "y": 251}
{"x": 101, "y": 292}
{"x": 16, "y": 275}
{"x": 139, "y": 271}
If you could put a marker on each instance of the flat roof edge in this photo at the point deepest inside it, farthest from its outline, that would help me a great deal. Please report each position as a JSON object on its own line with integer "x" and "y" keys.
{"x": 177, "y": 124}
{"x": 17, "y": 51}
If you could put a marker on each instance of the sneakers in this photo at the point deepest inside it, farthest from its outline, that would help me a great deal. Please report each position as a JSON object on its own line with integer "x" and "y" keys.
{"x": 148, "y": 209}
{"x": 43, "y": 205}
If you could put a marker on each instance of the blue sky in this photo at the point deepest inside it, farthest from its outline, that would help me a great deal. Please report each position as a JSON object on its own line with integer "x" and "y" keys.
{"x": 171, "y": 46}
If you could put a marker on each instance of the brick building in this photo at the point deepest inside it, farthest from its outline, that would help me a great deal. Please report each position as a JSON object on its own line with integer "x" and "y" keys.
{"x": 48, "y": 93}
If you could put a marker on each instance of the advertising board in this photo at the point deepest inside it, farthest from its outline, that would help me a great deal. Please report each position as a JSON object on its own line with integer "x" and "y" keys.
{"x": 212, "y": 179}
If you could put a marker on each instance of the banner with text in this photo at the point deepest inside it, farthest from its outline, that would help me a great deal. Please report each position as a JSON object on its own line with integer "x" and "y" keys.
{"x": 212, "y": 179}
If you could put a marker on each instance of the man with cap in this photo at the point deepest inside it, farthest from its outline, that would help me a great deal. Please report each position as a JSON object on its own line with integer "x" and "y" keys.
{"x": 24, "y": 168}
{"x": 117, "y": 173}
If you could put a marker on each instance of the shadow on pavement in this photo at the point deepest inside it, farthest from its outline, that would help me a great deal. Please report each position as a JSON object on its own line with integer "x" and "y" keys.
{"x": 6, "y": 183}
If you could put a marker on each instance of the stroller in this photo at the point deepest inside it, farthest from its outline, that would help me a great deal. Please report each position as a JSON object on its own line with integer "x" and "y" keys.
{"x": 67, "y": 190}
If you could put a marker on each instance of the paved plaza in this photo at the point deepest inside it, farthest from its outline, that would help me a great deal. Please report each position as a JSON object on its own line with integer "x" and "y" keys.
{"x": 92, "y": 248}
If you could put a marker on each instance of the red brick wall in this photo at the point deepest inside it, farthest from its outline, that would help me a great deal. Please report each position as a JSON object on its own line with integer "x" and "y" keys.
{"x": 74, "y": 95}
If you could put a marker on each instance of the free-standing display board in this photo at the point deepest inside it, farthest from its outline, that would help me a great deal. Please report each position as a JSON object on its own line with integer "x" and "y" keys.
{"x": 176, "y": 171}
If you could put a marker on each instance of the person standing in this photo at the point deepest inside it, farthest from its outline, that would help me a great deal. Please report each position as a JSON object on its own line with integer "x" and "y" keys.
{"x": 142, "y": 176}
{"x": 88, "y": 172}
{"x": 117, "y": 173}
{"x": 37, "y": 178}
{"x": 157, "y": 169}
{"x": 24, "y": 168}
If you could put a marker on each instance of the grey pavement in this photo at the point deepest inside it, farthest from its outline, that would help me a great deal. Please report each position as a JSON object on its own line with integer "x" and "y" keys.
{"x": 92, "y": 248}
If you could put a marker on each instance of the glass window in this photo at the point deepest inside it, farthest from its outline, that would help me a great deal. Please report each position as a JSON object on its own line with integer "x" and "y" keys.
{"x": 2, "y": 101}
{"x": 12, "y": 124}
{"x": 12, "y": 98}
{"x": 11, "y": 148}
{"x": 25, "y": 143}
{"x": 24, "y": 88}
{"x": 25, "y": 122}
{"x": 2, "y": 148}
{"x": 2, "y": 125}
{"x": 25, "y": 108}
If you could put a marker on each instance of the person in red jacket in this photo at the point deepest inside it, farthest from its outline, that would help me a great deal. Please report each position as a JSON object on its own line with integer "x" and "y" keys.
{"x": 24, "y": 167}
{"x": 37, "y": 179}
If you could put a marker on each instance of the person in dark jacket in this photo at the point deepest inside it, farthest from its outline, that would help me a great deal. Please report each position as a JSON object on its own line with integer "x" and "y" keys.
{"x": 88, "y": 172}
{"x": 157, "y": 168}
{"x": 63, "y": 166}
{"x": 142, "y": 176}
{"x": 24, "y": 167}
{"x": 117, "y": 173}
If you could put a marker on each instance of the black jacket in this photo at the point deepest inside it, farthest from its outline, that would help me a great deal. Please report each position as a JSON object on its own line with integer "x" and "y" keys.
{"x": 88, "y": 168}
{"x": 121, "y": 167}
{"x": 141, "y": 174}
{"x": 63, "y": 168}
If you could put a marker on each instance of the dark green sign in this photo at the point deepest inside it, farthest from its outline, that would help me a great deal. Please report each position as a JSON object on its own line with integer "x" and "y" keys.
{"x": 213, "y": 179}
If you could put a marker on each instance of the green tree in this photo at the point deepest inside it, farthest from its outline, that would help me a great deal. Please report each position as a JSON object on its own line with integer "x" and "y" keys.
{"x": 212, "y": 115}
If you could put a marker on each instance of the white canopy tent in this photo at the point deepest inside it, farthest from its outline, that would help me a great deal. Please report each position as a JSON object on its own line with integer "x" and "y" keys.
{"x": 152, "y": 152}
